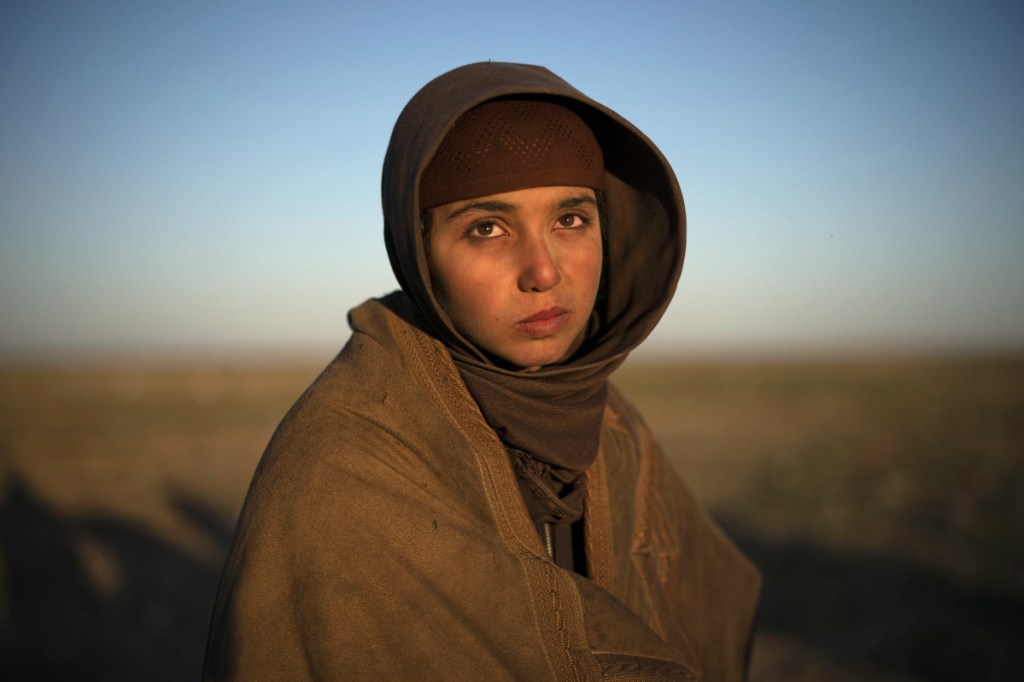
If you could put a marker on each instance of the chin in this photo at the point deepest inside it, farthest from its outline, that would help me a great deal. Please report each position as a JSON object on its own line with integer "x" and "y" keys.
{"x": 537, "y": 357}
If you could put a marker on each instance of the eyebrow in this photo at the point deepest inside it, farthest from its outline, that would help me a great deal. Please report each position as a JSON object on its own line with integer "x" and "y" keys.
{"x": 505, "y": 207}
{"x": 494, "y": 206}
{"x": 580, "y": 200}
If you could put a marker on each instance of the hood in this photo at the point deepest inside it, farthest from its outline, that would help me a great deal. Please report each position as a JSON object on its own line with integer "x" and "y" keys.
{"x": 645, "y": 228}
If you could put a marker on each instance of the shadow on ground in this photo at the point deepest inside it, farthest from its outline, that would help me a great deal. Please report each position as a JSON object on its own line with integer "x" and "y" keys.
{"x": 100, "y": 598}
{"x": 879, "y": 613}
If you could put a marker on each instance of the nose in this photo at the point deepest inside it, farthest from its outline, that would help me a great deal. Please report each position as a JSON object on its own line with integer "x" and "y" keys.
{"x": 538, "y": 269}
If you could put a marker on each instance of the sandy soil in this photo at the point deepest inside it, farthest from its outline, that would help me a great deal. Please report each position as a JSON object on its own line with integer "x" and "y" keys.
{"x": 880, "y": 498}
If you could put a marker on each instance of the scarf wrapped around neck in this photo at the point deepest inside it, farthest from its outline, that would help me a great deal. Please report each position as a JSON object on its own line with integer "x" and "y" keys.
{"x": 550, "y": 422}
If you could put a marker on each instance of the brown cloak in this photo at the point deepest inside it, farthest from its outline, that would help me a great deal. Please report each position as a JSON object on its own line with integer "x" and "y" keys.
{"x": 384, "y": 535}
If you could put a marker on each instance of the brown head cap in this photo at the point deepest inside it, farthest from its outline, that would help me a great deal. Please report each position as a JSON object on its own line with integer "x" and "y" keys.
{"x": 505, "y": 145}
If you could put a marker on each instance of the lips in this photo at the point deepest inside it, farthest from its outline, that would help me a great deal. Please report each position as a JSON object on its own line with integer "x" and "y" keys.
{"x": 544, "y": 323}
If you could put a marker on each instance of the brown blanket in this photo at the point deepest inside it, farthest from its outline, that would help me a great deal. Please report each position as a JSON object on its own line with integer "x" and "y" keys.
{"x": 385, "y": 537}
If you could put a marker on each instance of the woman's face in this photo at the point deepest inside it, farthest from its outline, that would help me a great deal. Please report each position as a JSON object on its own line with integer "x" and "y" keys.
{"x": 518, "y": 272}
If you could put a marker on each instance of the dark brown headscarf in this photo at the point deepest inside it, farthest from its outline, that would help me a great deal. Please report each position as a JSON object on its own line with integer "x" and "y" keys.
{"x": 549, "y": 418}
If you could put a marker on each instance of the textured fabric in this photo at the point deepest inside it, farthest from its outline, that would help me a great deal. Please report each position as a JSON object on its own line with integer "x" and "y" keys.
{"x": 549, "y": 401}
{"x": 505, "y": 145}
{"x": 384, "y": 537}
{"x": 554, "y": 413}
{"x": 553, "y": 494}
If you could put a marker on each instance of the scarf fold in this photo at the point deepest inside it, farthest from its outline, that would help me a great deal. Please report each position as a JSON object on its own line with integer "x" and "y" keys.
{"x": 550, "y": 423}
{"x": 552, "y": 495}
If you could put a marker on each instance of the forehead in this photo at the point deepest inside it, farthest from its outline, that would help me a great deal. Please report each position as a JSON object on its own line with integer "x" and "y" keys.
{"x": 517, "y": 201}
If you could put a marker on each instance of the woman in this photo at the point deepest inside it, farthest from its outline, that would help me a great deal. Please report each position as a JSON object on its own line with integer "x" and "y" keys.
{"x": 461, "y": 494}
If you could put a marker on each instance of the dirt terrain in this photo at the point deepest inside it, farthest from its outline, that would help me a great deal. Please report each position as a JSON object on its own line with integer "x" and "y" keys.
{"x": 881, "y": 498}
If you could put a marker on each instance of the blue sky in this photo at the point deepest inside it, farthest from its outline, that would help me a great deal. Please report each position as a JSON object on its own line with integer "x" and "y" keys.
{"x": 204, "y": 176}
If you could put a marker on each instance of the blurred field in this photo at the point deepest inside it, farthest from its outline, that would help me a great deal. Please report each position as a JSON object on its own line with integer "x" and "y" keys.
{"x": 882, "y": 499}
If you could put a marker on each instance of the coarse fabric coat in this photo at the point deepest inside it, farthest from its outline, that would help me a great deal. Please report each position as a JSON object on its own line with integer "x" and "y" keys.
{"x": 385, "y": 537}
{"x": 385, "y": 534}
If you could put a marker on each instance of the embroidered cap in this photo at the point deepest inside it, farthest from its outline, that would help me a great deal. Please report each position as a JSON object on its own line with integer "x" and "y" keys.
{"x": 505, "y": 145}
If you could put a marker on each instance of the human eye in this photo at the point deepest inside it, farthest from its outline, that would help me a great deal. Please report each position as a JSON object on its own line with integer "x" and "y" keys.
{"x": 573, "y": 221}
{"x": 485, "y": 229}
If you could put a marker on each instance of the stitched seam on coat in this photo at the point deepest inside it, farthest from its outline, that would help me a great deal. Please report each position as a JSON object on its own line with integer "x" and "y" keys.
{"x": 650, "y": 546}
{"x": 436, "y": 371}
{"x": 563, "y": 635}
{"x": 597, "y": 522}
{"x": 619, "y": 666}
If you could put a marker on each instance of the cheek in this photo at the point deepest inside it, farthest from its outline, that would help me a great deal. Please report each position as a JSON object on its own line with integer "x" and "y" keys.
{"x": 465, "y": 294}
{"x": 588, "y": 267}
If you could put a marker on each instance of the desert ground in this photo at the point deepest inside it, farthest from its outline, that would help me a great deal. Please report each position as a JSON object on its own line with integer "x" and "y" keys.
{"x": 882, "y": 498}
